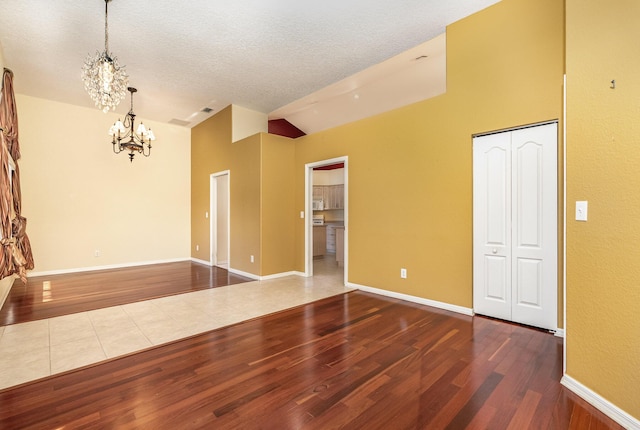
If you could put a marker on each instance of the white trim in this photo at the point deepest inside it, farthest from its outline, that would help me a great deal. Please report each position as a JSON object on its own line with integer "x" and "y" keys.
{"x": 600, "y": 403}
{"x": 308, "y": 197}
{"x": 559, "y": 332}
{"x": 564, "y": 222}
{"x": 281, "y": 275}
{"x": 204, "y": 262}
{"x": 414, "y": 299}
{"x": 108, "y": 266}
{"x": 245, "y": 274}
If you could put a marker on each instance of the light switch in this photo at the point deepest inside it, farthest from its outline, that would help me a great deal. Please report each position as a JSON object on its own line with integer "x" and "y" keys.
{"x": 301, "y": 214}
{"x": 581, "y": 210}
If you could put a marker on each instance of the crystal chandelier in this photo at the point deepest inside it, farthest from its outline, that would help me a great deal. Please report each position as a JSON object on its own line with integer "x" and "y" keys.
{"x": 138, "y": 141}
{"x": 104, "y": 79}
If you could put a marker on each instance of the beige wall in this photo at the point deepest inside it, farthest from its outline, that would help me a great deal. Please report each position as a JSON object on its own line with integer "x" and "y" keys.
{"x": 603, "y": 155}
{"x": 247, "y": 122}
{"x": 79, "y": 197}
{"x": 2, "y": 65}
{"x": 328, "y": 177}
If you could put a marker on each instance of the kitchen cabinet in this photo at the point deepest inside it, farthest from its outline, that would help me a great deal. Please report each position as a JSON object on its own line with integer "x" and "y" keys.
{"x": 332, "y": 196}
{"x": 318, "y": 192}
{"x": 336, "y": 196}
{"x": 331, "y": 235}
{"x": 340, "y": 246}
{"x": 319, "y": 240}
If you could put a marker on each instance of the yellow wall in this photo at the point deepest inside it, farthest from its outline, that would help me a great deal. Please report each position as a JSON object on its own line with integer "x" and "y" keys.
{"x": 79, "y": 197}
{"x": 278, "y": 205}
{"x": 212, "y": 152}
{"x": 603, "y": 157}
{"x": 245, "y": 205}
{"x": 410, "y": 170}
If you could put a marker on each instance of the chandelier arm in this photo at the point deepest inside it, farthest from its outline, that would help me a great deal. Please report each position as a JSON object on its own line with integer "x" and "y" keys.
{"x": 116, "y": 145}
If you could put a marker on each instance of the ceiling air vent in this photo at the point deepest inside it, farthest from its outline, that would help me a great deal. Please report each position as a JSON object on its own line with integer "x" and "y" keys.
{"x": 179, "y": 122}
{"x": 207, "y": 110}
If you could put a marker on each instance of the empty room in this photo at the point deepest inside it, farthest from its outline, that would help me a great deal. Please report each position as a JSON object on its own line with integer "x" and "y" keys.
{"x": 284, "y": 215}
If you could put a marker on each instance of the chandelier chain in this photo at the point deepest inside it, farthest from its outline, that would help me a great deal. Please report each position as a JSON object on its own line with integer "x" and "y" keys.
{"x": 106, "y": 26}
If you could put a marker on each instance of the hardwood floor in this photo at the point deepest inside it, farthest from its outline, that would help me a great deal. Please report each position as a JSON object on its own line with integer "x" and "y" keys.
{"x": 356, "y": 361}
{"x": 84, "y": 291}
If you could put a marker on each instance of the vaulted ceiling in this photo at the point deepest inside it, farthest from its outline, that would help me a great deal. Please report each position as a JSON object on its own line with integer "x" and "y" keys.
{"x": 316, "y": 64}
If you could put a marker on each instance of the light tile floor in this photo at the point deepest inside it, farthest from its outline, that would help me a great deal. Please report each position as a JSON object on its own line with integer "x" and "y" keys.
{"x": 37, "y": 349}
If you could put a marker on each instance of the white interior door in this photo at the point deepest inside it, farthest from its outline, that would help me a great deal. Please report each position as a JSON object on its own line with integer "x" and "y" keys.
{"x": 492, "y": 225}
{"x": 219, "y": 226}
{"x": 515, "y": 225}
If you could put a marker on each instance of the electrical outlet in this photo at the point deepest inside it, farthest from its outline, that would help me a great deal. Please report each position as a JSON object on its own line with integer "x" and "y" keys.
{"x": 197, "y": 247}
{"x": 403, "y": 273}
{"x": 96, "y": 253}
{"x": 302, "y": 214}
{"x": 252, "y": 259}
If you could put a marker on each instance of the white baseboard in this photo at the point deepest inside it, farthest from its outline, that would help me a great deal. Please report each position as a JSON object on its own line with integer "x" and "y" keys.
{"x": 245, "y": 274}
{"x": 203, "y": 262}
{"x": 281, "y": 275}
{"x": 600, "y": 403}
{"x": 559, "y": 332}
{"x": 108, "y": 266}
{"x": 267, "y": 277}
{"x": 251, "y": 275}
{"x": 414, "y": 299}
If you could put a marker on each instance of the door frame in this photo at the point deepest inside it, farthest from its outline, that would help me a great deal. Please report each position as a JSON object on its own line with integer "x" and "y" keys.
{"x": 308, "y": 201}
{"x": 213, "y": 217}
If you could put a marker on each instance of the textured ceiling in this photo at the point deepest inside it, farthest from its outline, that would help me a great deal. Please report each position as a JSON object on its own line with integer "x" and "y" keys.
{"x": 184, "y": 56}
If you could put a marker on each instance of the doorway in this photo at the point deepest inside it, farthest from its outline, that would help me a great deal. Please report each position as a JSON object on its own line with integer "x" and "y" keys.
{"x": 219, "y": 201}
{"x": 327, "y": 218}
{"x": 515, "y": 225}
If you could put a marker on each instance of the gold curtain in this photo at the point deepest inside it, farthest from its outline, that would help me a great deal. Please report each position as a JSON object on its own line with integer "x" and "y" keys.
{"x": 15, "y": 252}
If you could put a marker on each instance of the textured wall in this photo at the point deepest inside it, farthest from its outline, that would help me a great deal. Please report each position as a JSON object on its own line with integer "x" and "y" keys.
{"x": 213, "y": 152}
{"x": 410, "y": 170}
{"x": 603, "y": 155}
{"x": 79, "y": 197}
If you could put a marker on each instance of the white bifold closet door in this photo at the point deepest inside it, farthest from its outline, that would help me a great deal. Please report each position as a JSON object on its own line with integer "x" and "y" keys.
{"x": 515, "y": 218}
